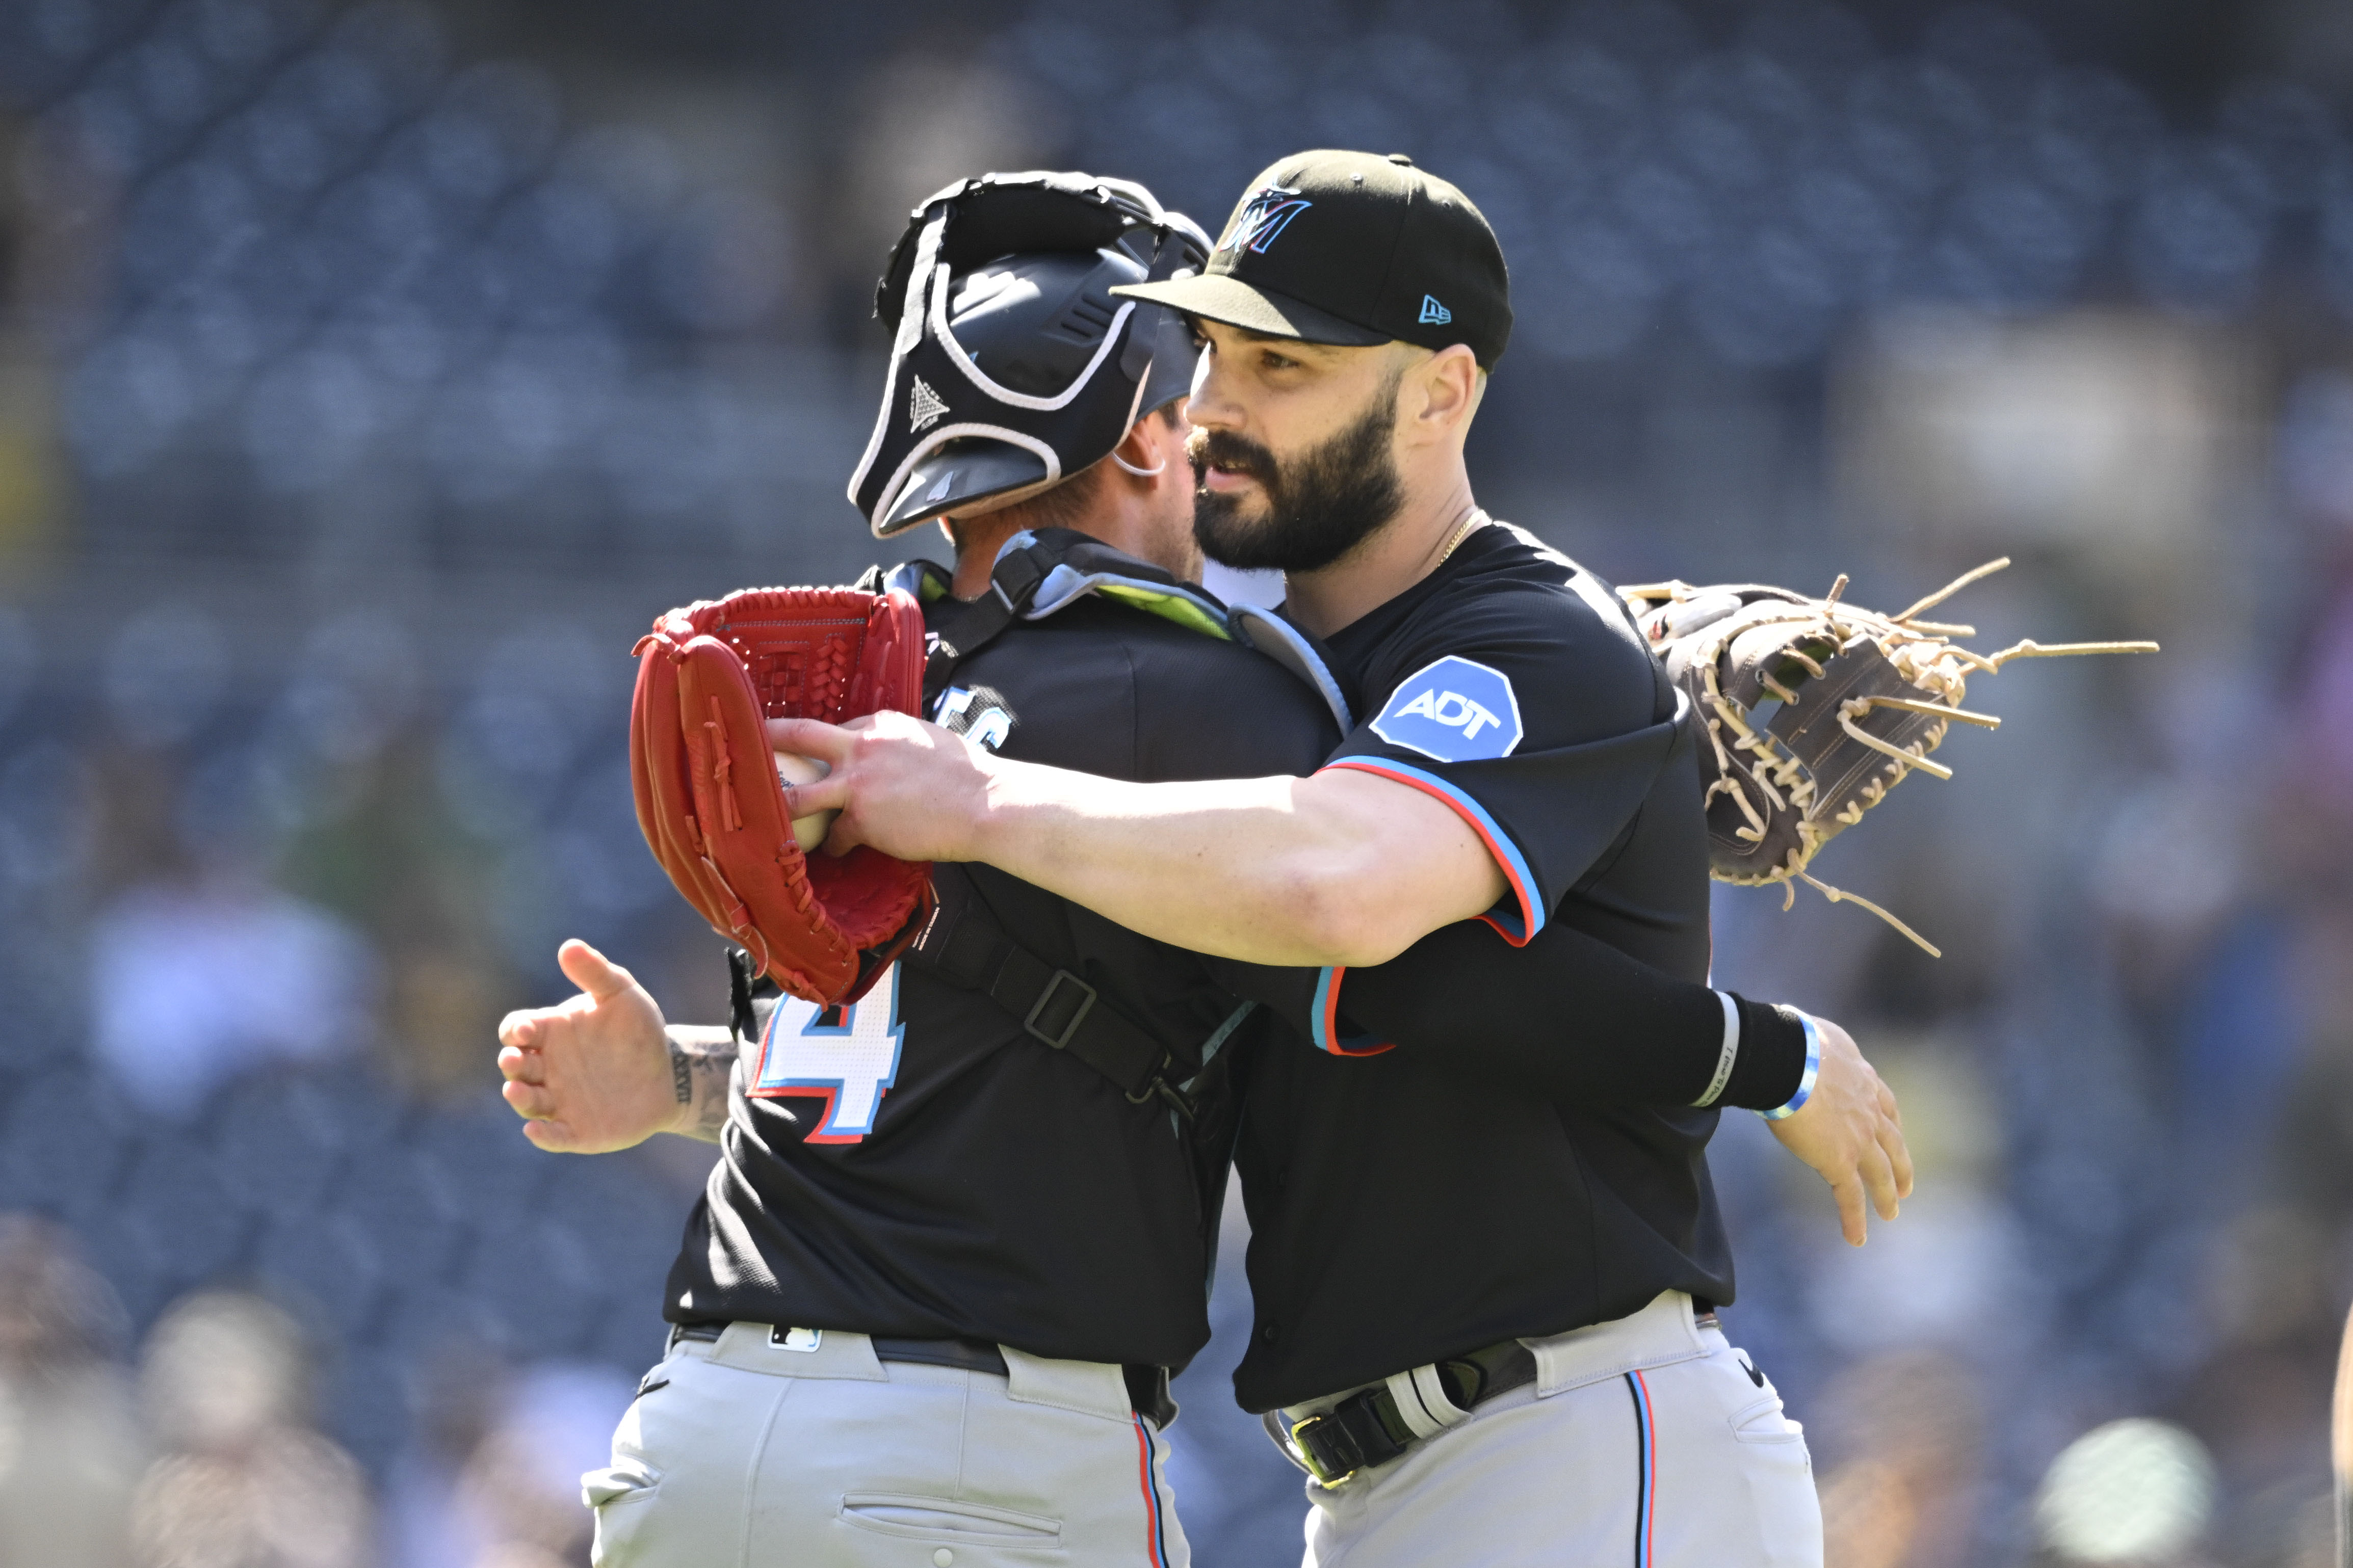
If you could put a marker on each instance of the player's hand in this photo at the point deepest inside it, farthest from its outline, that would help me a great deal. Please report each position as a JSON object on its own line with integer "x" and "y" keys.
{"x": 1851, "y": 1131}
{"x": 910, "y": 789}
{"x": 593, "y": 1074}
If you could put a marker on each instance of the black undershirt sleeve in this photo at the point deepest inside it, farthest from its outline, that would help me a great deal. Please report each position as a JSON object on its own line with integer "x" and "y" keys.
{"x": 1574, "y": 1017}
{"x": 1569, "y": 1017}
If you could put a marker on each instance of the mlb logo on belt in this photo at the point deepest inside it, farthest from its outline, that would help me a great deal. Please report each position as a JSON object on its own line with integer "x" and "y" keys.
{"x": 1456, "y": 709}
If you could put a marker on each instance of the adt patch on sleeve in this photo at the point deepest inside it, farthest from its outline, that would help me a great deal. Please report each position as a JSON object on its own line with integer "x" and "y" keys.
{"x": 1456, "y": 709}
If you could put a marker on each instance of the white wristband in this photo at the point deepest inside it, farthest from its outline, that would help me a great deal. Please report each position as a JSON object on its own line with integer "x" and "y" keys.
{"x": 1727, "y": 1056}
{"x": 1805, "y": 1084}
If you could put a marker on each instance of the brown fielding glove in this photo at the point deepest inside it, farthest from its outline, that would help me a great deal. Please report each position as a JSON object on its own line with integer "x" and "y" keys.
{"x": 712, "y": 809}
{"x": 1813, "y": 710}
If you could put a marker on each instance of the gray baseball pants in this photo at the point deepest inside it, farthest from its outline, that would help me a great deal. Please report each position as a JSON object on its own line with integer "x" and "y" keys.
{"x": 1649, "y": 1441}
{"x": 745, "y": 1452}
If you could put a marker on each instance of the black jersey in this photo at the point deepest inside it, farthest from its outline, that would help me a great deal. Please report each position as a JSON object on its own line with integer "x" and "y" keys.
{"x": 1401, "y": 1210}
{"x": 917, "y": 1164}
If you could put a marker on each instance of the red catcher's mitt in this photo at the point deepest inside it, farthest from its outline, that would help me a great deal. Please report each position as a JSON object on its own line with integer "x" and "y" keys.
{"x": 823, "y": 927}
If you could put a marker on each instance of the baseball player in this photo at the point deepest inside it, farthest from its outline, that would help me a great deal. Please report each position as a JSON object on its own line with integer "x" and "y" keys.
{"x": 960, "y": 1230}
{"x": 1485, "y": 1323}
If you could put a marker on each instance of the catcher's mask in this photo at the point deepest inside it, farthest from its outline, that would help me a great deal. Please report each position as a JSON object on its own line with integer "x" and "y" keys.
{"x": 1013, "y": 365}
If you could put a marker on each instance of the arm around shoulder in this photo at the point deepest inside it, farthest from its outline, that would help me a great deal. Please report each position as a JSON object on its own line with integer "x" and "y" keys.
{"x": 1339, "y": 867}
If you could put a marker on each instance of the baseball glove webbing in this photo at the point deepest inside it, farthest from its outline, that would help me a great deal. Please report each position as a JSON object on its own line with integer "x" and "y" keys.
{"x": 1814, "y": 709}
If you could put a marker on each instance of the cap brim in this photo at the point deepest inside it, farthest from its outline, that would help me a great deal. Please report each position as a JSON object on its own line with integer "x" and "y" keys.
{"x": 959, "y": 474}
{"x": 1219, "y": 298}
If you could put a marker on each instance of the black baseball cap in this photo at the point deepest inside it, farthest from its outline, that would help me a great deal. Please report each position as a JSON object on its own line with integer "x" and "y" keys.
{"x": 1353, "y": 248}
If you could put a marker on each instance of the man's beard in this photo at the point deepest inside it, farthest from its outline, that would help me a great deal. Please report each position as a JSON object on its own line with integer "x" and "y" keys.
{"x": 1319, "y": 505}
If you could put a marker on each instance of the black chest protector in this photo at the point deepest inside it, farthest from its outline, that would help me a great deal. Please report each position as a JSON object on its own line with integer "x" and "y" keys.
{"x": 1037, "y": 575}
{"x": 1041, "y": 572}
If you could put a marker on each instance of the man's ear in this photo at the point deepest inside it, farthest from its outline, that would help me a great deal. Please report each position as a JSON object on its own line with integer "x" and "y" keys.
{"x": 1142, "y": 451}
{"x": 1451, "y": 385}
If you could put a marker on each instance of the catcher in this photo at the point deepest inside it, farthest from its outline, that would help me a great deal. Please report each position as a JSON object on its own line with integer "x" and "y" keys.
{"x": 959, "y": 1233}
{"x": 1520, "y": 758}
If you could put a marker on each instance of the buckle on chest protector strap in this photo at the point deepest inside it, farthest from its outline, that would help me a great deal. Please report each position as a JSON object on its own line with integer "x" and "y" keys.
{"x": 1060, "y": 1037}
{"x": 966, "y": 948}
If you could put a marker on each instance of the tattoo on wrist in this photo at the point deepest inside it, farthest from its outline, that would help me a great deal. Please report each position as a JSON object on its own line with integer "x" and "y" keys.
{"x": 702, "y": 1076}
{"x": 713, "y": 1114}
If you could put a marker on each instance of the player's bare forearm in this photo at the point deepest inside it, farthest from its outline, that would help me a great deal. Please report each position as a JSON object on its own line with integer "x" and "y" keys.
{"x": 1242, "y": 869}
{"x": 702, "y": 1070}
{"x": 1339, "y": 868}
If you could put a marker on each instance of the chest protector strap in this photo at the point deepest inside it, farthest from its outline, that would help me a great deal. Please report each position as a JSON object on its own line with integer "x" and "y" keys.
{"x": 964, "y": 945}
{"x": 956, "y": 629}
{"x": 1038, "y": 573}
{"x": 967, "y": 948}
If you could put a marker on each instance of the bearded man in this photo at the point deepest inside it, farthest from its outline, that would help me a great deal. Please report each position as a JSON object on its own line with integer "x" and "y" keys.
{"x": 1486, "y": 1321}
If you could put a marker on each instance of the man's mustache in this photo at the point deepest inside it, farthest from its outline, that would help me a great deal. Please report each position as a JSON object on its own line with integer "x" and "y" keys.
{"x": 1223, "y": 449}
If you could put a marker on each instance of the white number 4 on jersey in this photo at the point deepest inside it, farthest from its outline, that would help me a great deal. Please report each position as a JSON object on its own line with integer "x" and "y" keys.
{"x": 850, "y": 1057}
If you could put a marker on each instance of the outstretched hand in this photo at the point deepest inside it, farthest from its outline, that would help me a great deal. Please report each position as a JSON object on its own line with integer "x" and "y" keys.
{"x": 912, "y": 790}
{"x": 592, "y": 1074}
{"x": 1851, "y": 1131}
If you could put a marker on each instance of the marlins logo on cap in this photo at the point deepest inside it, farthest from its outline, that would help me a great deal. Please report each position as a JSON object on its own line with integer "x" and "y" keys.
{"x": 1262, "y": 219}
{"x": 1393, "y": 252}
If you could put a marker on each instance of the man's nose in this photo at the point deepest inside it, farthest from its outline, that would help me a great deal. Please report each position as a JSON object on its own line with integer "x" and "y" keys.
{"x": 1208, "y": 406}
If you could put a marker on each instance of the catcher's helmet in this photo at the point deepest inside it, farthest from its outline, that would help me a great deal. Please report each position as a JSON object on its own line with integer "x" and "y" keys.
{"x": 1013, "y": 365}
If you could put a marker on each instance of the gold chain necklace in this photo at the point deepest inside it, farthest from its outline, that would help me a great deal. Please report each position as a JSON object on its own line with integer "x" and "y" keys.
{"x": 1473, "y": 519}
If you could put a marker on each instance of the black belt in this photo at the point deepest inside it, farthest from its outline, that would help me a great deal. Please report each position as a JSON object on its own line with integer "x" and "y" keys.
{"x": 1147, "y": 1387}
{"x": 1366, "y": 1428}
{"x": 970, "y": 1355}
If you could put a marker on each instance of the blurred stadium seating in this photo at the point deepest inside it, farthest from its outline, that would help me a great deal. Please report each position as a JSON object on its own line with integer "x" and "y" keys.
{"x": 370, "y": 373}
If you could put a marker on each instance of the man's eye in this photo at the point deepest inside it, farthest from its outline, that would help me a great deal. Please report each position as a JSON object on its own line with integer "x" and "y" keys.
{"x": 1279, "y": 362}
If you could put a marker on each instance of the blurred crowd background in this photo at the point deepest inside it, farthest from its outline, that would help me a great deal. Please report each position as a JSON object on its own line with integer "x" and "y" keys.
{"x": 371, "y": 375}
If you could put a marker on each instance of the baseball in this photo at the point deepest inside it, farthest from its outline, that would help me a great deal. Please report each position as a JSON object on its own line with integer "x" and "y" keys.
{"x": 809, "y": 831}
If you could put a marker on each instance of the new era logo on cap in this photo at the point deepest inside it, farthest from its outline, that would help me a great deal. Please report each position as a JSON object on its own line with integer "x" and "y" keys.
{"x": 1433, "y": 313}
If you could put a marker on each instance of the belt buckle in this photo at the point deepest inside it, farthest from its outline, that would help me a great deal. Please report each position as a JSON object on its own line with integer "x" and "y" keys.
{"x": 1305, "y": 1434}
